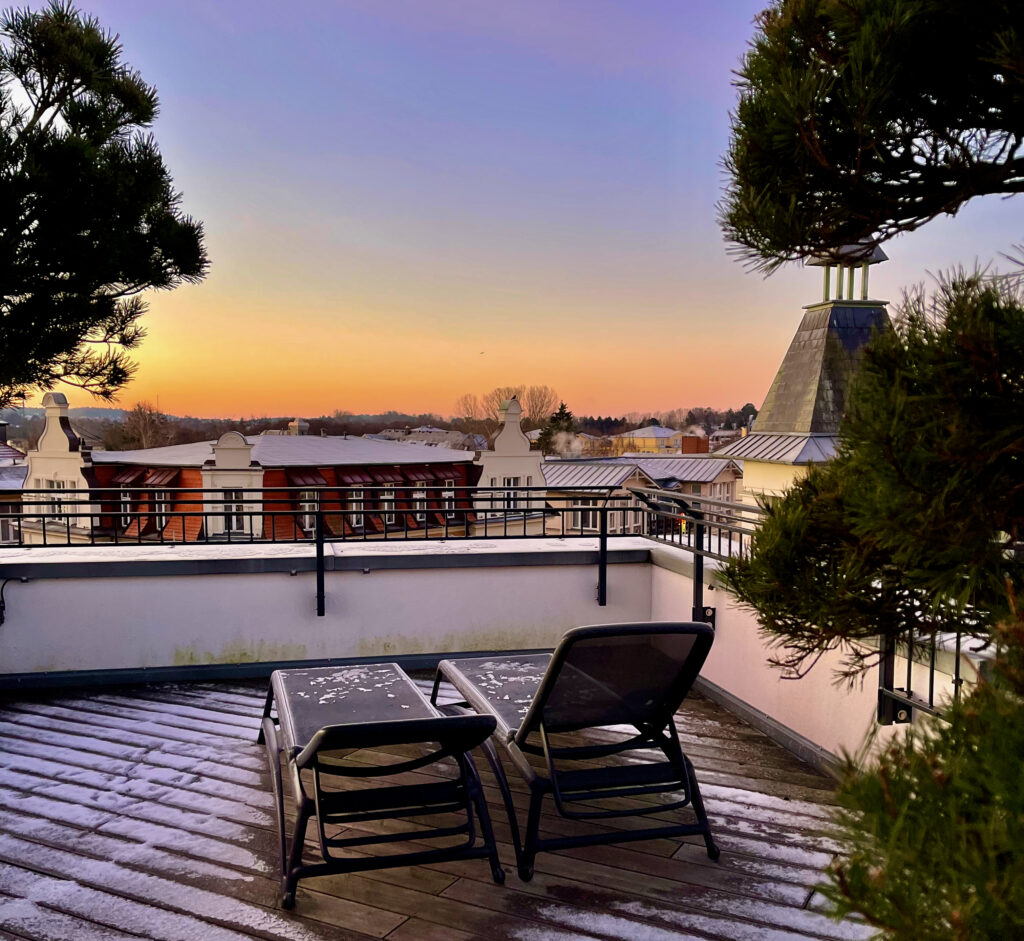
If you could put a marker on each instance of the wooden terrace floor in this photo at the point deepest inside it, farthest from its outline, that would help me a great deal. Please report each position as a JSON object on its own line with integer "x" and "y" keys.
{"x": 146, "y": 812}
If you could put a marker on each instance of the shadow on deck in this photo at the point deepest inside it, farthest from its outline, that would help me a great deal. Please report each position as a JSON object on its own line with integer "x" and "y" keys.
{"x": 146, "y": 812}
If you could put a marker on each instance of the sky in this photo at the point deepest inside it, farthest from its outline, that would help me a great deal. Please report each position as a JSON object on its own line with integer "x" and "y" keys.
{"x": 406, "y": 201}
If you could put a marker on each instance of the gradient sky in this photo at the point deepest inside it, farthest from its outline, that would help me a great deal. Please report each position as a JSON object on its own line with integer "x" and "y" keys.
{"x": 406, "y": 200}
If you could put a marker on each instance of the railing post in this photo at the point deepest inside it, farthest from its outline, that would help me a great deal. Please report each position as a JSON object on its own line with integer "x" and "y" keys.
{"x": 699, "y": 612}
{"x": 889, "y": 711}
{"x": 319, "y": 535}
{"x": 602, "y": 559}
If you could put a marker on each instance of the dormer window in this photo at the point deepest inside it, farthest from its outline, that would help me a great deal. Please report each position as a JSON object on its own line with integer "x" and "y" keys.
{"x": 307, "y": 509}
{"x": 419, "y": 505}
{"x": 234, "y": 511}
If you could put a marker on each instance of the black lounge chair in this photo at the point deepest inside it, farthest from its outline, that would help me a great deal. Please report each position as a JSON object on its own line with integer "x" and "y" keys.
{"x": 325, "y": 711}
{"x": 633, "y": 675}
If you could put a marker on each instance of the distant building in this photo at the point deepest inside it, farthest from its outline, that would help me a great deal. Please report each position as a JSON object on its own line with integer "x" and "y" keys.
{"x": 798, "y": 424}
{"x": 705, "y": 476}
{"x": 656, "y": 439}
{"x": 259, "y": 486}
{"x": 13, "y": 471}
{"x": 510, "y": 464}
{"x": 435, "y": 437}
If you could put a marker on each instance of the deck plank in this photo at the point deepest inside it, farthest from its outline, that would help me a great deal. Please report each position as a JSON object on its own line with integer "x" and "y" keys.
{"x": 146, "y": 812}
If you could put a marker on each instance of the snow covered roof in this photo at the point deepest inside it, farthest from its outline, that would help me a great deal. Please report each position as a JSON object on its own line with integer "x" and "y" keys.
{"x": 292, "y": 451}
{"x": 651, "y": 431}
{"x": 566, "y": 474}
{"x": 697, "y": 470}
{"x": 782, "y": 449}
{"x": 12, "y": 477}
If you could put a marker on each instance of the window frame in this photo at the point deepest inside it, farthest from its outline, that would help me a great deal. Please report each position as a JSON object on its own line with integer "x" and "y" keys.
{"x": 356, "y": 517}
{"x": 234, "y": 509}
{"x": 55, "y": 507}
{"x": 510, "y": 498}
{"x": 448, "y": 496}
{"x": 161, "y": 503}
{"x": 420, "y": 502}
{"x": 387, "y": 505}
{"x": 308, "y": 502}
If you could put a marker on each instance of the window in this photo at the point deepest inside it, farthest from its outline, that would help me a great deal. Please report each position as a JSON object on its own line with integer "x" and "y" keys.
{"x": 511, "y": 496}
{"x": 56, "y": 510}
{"x": 448, "y": 497}
{"x": 9, "y": 525}
{"x": 583, "y": 518}
{"x": 307, "y": 509}
{"x": 387, "y": 504}
{"x": 126, "y": 508}
{"x": 419, "y": 505}
{"x": 234, "y": 512}
{"x": 161, "y": 508}
{"x": 695, "y": 488}
{"x": 355, "y": 508}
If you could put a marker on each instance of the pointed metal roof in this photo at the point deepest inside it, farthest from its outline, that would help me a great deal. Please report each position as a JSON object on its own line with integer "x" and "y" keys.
{"x": 808, "y": 395}
{"x": 799, "y": 421}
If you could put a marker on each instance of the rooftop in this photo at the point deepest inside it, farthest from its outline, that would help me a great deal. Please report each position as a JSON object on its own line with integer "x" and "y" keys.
{"x": 147, "y": 811}
{"x": 12, "y": 476}
{"x": 651, "y": 431}
{"x": 292, "y": 451}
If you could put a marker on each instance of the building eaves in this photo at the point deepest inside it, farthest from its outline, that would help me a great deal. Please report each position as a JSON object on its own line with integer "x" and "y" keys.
{"x": 12, "y": 477}
{"x": 567, "y": 474}
{"x": 294, "y": 451}
{"x": 783, "y": 449}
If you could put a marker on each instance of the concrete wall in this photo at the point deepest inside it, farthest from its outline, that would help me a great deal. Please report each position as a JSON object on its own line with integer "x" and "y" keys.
{"x": 199, "y": 604}
{"x": 773, "y": 480}
{"x": 832, "y": 717}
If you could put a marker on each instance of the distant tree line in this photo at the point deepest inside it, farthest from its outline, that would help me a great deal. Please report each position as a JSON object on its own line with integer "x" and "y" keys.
{"x": 145, "y": 426}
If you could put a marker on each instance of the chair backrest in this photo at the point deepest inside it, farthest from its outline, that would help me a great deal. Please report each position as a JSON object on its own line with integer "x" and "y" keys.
{"x": 618, "y": 674}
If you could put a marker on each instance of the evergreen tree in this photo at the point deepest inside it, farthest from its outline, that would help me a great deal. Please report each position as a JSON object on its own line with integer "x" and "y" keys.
{"x": 561, "y": 422}
{"x": 858, "y": 121}
{"x": 89, "y": 218}
{"x": 915, "y": 524}
{"x": 863, "y": 119}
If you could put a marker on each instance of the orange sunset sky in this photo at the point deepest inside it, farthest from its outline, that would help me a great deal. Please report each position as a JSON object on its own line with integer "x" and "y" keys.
{"x": 405, "y": 202}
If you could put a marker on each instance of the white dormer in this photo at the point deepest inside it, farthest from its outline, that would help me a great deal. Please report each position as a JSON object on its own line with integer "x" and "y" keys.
{"x": 56, "y": 466}
{"x": 510, "y": 465}
{"x": 236, "y": 506}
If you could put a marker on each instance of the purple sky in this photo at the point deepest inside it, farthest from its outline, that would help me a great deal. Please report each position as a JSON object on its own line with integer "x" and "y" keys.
{"x": 406, "y": 201}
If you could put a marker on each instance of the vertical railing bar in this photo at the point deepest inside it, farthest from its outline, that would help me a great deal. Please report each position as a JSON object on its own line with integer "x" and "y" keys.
{"x": 910, "y": 659}
{"x": 956, "y": 671}
{"x": 318, "y": 526}
{"x": 931, "y": 674}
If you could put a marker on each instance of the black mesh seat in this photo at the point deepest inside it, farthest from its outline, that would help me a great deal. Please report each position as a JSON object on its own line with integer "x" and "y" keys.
{"x": 323, "y": 714}
{"x": 632, "y": 677}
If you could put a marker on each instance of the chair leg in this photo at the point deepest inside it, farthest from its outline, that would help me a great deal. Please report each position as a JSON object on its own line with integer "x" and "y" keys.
{"x": 698, "y": 806}
{"x": 506, "y": 795}
{"x": 290, "y": 876}
{"x": 273, "y": 751}
{"x": 476, "y": 793}
{"x": 529, "y": 854}
{"x": 266, "y": 714}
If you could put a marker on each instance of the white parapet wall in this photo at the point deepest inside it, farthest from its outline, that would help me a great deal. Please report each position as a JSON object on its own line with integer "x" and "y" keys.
{"x": 830, "y": 716}
{"x": 118, "y": 608}
{"x": 160, "y": 608}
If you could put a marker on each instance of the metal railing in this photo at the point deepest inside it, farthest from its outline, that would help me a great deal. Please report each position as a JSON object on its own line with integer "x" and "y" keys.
{"x": 703, "y": 526}
{"x": 149, "y": 516}
{"x": 924, "y": 682}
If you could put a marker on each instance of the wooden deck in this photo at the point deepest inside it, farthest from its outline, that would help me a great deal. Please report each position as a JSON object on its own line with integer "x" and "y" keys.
{"x": 146, "y": 812}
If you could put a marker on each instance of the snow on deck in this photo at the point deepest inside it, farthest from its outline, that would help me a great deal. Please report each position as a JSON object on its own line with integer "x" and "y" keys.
{"x": 147, "y": 812}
